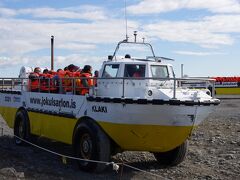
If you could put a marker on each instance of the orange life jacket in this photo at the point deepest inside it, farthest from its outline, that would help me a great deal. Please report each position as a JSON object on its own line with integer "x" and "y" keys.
{"x": 67, "y": 82}
{"x": 46, "y": 83}
{"x": 84, "y": 90}
{"x": 33, "y": 82}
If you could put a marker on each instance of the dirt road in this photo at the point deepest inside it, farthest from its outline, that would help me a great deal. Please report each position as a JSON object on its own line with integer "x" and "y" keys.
{"x": 214, "y": 153}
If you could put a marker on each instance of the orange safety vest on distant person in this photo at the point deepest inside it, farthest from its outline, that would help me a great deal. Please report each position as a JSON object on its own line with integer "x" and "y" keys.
{"x": 33, "y": 82}
{"x": 67, "y": 82}
{"x": 84, "y": 90}
{"x": 47, "y": 84}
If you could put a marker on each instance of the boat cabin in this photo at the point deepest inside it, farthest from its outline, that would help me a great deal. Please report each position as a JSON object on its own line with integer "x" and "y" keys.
{"x": 135, "y": 77}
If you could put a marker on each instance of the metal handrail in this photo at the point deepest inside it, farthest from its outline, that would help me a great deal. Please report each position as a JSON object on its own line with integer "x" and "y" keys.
{"x": 128, "y": 42}
{"x": 73, "y": 85}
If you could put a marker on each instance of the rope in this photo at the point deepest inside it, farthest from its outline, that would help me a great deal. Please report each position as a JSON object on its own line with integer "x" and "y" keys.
{"x": 115, "y": 166}
{"x": 64, "y": 156}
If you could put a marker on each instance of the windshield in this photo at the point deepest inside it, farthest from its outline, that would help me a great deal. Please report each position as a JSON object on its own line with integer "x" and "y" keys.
{"x": 110, "y": 70}
{"x": 159, "y": 71}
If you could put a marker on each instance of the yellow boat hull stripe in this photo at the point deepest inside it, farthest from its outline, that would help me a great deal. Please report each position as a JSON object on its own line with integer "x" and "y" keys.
{"x": 155, "y": 138}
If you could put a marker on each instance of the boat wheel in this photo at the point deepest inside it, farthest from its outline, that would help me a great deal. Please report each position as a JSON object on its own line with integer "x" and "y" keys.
{"x": 91, "y": 143}
{"x": 86, "y": 146}
{"x": 172, "y": 157}
{"x": 21, "y": 128}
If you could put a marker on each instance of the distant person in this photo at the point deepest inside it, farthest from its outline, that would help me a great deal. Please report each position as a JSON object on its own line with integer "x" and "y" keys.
{"x": 96, "y": 74}
{"x": 66, "y": 68}
{"x": 34, "y": 80}
{"x": 127, "y": 56}
{"x": 71, "y": 67}
{"x": 59, "y": 70}
{"x": 58, "y": 80}
{"x": 86, "y": 81}
{"x": 140, "y": 72}
{"x": 45, "y": 71}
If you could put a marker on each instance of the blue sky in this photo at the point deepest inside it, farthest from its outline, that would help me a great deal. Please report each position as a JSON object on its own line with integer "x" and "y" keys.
{"x": 201, "y": 34}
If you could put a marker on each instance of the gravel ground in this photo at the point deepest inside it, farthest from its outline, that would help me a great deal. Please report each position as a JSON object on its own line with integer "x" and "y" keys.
{"x": 214, "y": 153}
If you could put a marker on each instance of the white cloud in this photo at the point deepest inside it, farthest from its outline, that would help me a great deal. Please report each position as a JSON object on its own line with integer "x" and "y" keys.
{"x": 216, "y": 6}
{"x": 17, "y": 62}
{"x": 210, "y": 32}
{"x": 20, "y": 36}
{"x": 89, "y": 13}
{"x": 85, "y": 12}
{"x": 194, "y": 53}
{"x": 5, "y": 12}
{"x": 161, "y": 6}
{"x": 154, "y": 6}
{"x": 79, "y": 60}
{"x": 76, "y": 46}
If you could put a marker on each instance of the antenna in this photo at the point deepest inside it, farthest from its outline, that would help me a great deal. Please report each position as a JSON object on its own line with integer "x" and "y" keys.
{"x": 126, "y": 22}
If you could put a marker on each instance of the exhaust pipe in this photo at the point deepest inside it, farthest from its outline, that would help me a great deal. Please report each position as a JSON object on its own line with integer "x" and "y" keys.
{"x": 52, "y": 53}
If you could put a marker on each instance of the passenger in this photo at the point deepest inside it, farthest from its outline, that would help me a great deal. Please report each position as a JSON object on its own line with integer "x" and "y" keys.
{"x": 52, "y": 72}
{"x": 66, "y": 68}
{"x": 76, "y": 69}
{"x": 34, "y": 80}
{"x": 86, "y": 81}
{"x": 45, "y": 71}
{"x": 58, "y": 80}
{"x": 67, "y": 85}
{"x": 72, "y": 72}
{"x": 130, "y": 70}
{"x": 47, "y": 83}
{"x": 140, "y": 72}
{"x": 71, "y": 67}
{"x": 96, "y": 74}
{"x": 59, "y": 70}
{"x": 127, "y": 56}
{"x": 77, "y": 79}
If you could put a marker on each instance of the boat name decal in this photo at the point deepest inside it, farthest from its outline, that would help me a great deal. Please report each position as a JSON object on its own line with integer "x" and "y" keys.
{"x": 102, "y": 109}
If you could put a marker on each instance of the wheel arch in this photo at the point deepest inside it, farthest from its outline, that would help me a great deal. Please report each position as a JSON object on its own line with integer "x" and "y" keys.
{"x": 75, "y": 130}
{"x": 114, "y": 146}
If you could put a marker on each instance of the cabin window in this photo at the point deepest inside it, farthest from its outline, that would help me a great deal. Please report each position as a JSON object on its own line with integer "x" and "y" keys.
{"x": 159, "y": 71}
{"x": 134, "y": 70}
{"x": 110, "y": 70}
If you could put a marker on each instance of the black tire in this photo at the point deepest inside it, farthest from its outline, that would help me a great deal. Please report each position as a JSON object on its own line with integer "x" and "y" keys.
{"x": 90, "y": 142}
{"x": 21, "y": 128}
{"x": 173, "y": 157}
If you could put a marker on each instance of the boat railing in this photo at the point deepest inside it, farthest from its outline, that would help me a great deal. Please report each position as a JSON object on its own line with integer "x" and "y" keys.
{"x": 73, "y": 85}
